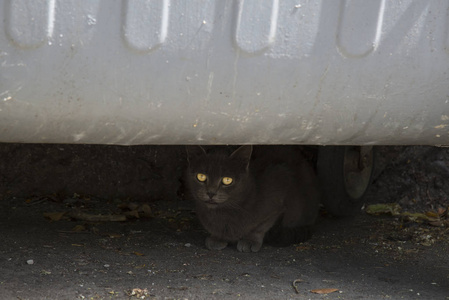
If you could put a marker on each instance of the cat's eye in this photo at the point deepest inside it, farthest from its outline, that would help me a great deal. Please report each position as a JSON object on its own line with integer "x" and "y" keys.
{"x": 227, "y": 180}
{"x": 201, "y": 177}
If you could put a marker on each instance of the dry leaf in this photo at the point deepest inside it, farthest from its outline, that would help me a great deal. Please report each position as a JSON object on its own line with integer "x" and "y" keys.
{"x": 138, "y": 254}
{"x": 54, "y": 216}
{"x": 432, "y": 214}
{"x": 97, "y": 218}
{"x": 138, "y": 293}
{"x": 324, "y": 291}
{"x": 387, "y": 208}
{"x": 132, "y": 214}
{"x": 419, "y": 216}
{"x": 437, "y": 223}
{"x": 443, "y": 212}
{"x": 146, "y": 209}
{"x": 79, "y": 228}
{"x": 415, "y": 216}
{"x": 436, "y": 219}
{"x": 140, "y": 267}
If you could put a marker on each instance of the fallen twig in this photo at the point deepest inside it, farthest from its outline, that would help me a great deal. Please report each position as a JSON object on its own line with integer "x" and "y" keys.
{"x": 294, "y": 285}
{"x": 96, "y": 218}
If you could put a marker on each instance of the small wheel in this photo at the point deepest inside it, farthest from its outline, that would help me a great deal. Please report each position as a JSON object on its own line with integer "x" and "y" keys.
{"x": 345, "y": 174}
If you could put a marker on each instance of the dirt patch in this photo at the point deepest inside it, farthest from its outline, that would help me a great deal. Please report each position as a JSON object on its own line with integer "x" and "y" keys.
{"x": 163, "y": 257}
{"x": 417, "y": 178}
{"x": 146, "y": 173}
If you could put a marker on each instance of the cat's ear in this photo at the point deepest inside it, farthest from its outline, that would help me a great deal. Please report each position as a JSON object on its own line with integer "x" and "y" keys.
{"x": 194, "y": 151}
{"x": 243, "y": 154}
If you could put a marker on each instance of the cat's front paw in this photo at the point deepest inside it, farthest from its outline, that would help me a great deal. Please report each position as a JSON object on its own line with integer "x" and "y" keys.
{"x": 215, "y": 244}
{"x": 248, "y": 246}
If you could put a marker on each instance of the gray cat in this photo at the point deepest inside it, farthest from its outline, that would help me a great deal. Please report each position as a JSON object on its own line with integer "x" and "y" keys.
{"x": 243, "y": 199}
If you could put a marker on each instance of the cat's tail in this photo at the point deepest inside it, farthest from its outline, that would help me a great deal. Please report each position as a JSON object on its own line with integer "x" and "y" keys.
{"x": 284, "y": 236}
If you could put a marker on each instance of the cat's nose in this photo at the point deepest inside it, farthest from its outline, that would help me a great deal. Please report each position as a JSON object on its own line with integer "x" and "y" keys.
{"x": 211, "y": 194}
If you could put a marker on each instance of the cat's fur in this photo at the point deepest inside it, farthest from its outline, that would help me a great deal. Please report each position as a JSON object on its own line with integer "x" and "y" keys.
{"x": 276, "y": 190}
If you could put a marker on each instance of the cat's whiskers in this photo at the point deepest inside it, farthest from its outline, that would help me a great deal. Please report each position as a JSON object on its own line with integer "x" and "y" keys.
{"x": 235, "y": 205}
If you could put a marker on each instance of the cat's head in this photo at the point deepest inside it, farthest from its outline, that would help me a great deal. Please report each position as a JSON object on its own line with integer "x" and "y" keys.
{"x": 217, "y": 178}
